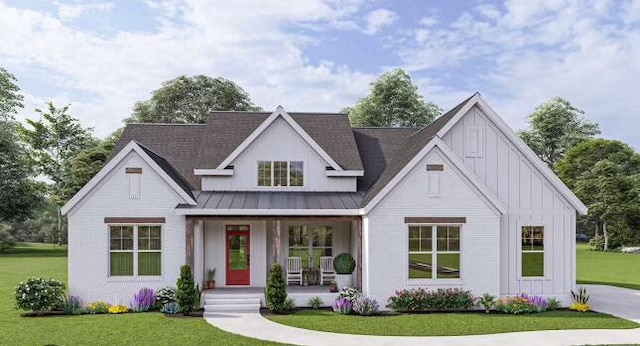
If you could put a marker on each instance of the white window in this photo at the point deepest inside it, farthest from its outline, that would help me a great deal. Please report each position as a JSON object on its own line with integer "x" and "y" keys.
{"x": 474, "y": 141}
{"x": 280, "y": 173}
{"x": 135, "y": 250}
{"x": 532, "y": 251}
{"x": 434, "y": 252}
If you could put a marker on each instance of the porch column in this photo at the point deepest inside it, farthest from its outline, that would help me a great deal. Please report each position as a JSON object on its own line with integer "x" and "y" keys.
{"x": 359, "y": 253}
{"x": 198, "y": 253}
{"x": 276, "y": 241}
{"x": 189, "y": 242}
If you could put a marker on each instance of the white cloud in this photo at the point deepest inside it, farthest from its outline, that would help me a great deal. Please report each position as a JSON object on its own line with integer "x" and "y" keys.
{"x": 378, "y": 19}
{"x": 67, "y": 12}
{"x": 246, "y": 43}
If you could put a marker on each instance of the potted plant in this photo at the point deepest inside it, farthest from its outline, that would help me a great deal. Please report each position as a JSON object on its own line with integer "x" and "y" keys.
{"x": 211, "y": 282}
{"x": 333, "y": 286}
{"x": 344, "y": 266}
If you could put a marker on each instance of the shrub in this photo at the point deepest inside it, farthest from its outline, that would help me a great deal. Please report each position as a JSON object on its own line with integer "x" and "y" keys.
{"x": 197, "y": 297}
{"x": 143, "y": 300}
{"x": 39, "y": 295}
{"x": 580, "y": 307}
{"x": 6, "y": 240}
{"x": 553, "y": 304}
{"x": 186, "y": 291}
{"x": 170, "y": 308}
{"x": 580, "y": 300}
{"x": 72, "y": 305}
{"x": 315, "y": 303}
{"x": 366, "y": 306}
{"x": 118, "y": 309}
{"x": 597, "y": 243}
{"x": 487, "y": 301}
{"x": 289, "y": 304}
{"x": 342, "y": 306}
{"x": 522, "y": 304}
{"x": 98, "y": 308}
{"x": 165, "y": 295}
{"x": 350, "y": 293}
{"x": 276, "y": 290}
{"x": 344, "y": 264}
{"x": 420, "y": 299}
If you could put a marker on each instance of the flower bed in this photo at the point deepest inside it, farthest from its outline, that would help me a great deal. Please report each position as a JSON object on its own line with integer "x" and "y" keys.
{"x": 422, "y": 300}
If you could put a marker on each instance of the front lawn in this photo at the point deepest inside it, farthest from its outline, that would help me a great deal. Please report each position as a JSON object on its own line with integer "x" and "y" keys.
{"x": 438, "y": 324}
{"x": 608, "y": 268}
{"x": 128, "y": 329}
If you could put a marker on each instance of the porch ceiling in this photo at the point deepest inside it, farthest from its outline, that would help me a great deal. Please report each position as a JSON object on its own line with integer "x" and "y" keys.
{"x": 269, "y": 200}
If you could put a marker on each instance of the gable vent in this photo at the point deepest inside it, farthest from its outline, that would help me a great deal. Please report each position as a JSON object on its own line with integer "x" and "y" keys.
{"x": 474, "y": 141}
{"x": 134, "y": 174}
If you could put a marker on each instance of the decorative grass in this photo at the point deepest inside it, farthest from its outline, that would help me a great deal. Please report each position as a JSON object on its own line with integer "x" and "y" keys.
{"x": 439, "y": 324}
{"x": 149, "y": 328}
{"x": 608, "y": 268}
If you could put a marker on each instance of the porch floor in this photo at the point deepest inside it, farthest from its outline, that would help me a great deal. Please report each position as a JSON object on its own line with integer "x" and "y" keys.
{"x": 300, "y": 294}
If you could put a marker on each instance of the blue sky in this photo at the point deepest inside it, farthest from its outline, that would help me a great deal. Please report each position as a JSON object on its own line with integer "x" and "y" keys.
{"x": 321, "y": 55}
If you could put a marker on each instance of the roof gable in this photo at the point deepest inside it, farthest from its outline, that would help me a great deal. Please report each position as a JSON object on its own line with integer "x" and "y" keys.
{"x": 145, "y": 154}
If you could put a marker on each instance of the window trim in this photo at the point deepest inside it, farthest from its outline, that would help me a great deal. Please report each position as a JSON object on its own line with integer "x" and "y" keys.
{"x": 434, "y": 253}
{"x": 545, "y": 253}
{"x": 288, "y": 186}
{"x": 135, "y": 251}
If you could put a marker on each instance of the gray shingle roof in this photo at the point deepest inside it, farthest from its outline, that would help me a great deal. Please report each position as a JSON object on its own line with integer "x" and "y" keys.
{"x": 275, "y": 200}
{"x": 167, "y": 168}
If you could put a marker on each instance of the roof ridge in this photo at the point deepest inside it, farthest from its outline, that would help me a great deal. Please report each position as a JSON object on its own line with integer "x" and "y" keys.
{"x": 165, "y": 124}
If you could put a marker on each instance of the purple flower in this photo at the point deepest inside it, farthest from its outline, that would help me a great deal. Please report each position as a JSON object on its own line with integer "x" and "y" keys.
{"x": 342, "y": 306}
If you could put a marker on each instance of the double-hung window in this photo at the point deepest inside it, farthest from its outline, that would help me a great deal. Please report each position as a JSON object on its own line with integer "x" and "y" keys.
{"x": 280, "y": 173}
{"x": 434, "y": 252}
{"x": 532, "y": 251}
{"x": 135, "y": 250}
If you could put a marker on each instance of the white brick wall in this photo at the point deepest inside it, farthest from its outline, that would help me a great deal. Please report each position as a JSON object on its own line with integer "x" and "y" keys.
{"x": 386, "y": 239}
{"x": 89, "y": 236}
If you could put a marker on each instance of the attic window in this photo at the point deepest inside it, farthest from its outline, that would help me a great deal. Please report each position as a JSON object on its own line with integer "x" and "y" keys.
{"x": 434, "y": 172}
{"x": 133, "y": 174}
{"x": 474, "y": 141}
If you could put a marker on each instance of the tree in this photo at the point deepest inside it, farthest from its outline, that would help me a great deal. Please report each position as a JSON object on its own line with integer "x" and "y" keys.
{"x": 276, "y": 290}
{"x": 555, "y": 127}
{"x": 185, "y": 290}
{"x": 190, "y": 100}
{"x": 20, "y": 195}
{"x": 393, "y": 101}
{"x": 88, "y": 162}
{"x": 604, "y": 174}
{"x": 54, "y": 140}
{"x": 10, "y": 97}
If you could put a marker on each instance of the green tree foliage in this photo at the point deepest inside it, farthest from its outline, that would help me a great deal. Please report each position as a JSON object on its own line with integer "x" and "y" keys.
{"x": 605, "y": 175}
{"x": 88, "y": 162}
{"x": 186, "y": 290}
{"x": 7, "y": 241}
{"x": 276, "y": 290}
{"x": 393, "y": 101}
{"x": 190, "y": 100}
{"x": 54, "y": 140}
{"x": 555, "y": 127}
{"x": 19, "y": 193}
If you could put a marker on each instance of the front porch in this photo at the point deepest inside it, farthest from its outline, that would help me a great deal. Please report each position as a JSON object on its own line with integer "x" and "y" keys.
{"x": 242, "y": 249}
{"x": 300, "y": 294}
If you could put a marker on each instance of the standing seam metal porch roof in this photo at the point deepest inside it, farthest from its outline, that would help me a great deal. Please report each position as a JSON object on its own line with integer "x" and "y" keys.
{"x": 275, "y": 200}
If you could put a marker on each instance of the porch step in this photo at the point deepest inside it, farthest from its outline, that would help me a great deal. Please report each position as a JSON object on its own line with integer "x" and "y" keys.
{"x": 215, "y": 305}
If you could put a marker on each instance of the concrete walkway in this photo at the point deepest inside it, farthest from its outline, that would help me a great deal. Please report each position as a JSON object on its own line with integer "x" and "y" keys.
{"x": 617, "y": 301}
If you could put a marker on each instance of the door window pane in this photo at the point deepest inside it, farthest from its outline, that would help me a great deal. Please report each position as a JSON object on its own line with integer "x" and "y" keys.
{"x": 238, "y": 253}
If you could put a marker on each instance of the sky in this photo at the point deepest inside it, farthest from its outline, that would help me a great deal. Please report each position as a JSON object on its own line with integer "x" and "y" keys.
{"x": 322, "y": 55}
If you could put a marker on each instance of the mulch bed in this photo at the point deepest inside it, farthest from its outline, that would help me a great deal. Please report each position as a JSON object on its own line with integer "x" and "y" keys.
{"x": 196, "y": 313}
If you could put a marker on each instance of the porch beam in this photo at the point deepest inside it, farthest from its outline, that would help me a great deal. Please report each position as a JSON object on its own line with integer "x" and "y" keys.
{"x": 189, "y": 242}
{"x": 275, "y": 218}
{"x": 359, "y": 254}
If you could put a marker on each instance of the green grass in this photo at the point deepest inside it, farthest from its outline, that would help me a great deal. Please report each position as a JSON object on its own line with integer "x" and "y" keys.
{"x": 608, "y": 268}
{"x": 128, "y": 329}
{"x": 435, "y": 324}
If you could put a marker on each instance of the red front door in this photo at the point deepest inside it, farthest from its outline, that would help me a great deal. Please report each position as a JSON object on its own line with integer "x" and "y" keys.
{"x": 238, "y": 255}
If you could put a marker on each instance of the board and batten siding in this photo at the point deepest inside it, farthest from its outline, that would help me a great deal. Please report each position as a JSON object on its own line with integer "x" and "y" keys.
{"x": 215, "y": 250}
{"x": 385, "y": 234}
{"x": 279, "y": 142}
{"x": 88, "y": 262}
{"x": 530, "y": 199}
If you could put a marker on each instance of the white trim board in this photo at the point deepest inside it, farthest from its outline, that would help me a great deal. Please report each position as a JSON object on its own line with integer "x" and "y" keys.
{"x": 283, "y": 212}
{"x": 476, "y": 99}
{"x": 132, "y": 146}
{"x": 468, "y": 176}
{"x": 279, "y": 112}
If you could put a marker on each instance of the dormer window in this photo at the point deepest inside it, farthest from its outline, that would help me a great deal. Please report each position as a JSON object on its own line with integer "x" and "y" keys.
{"x": 280, "y": 173}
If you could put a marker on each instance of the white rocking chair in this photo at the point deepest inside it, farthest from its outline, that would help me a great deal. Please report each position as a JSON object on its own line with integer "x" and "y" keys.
{"x": 326, "y": 269}
{"x": 294, "y": 270}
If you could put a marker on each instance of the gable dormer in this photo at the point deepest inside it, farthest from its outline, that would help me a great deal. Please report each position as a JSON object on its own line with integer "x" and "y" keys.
{"x": 289, "y": 152}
